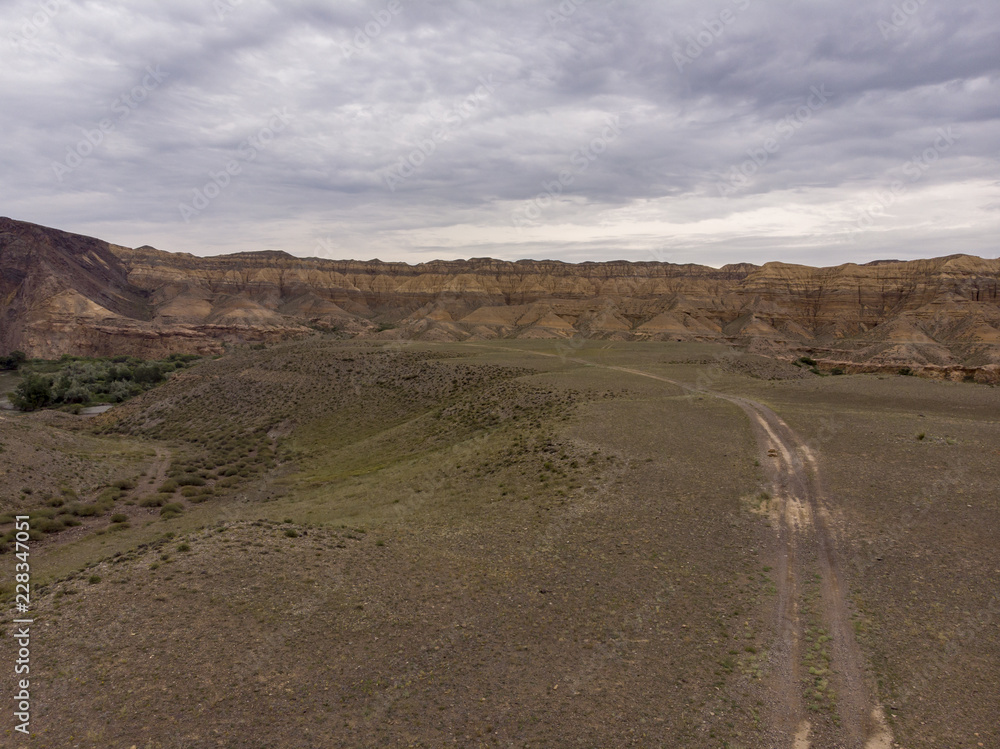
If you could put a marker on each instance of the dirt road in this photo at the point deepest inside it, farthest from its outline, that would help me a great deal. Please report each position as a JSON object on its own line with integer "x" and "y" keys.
{"x": 823, "y": 693}
{"x": 808, "y": 554}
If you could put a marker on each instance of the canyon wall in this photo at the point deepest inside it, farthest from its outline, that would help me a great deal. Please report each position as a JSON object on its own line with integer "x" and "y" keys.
{"x": 65, "y": 293}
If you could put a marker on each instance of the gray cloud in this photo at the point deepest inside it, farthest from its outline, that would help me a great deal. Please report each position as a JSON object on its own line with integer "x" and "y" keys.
{"x": 724, "y": 151}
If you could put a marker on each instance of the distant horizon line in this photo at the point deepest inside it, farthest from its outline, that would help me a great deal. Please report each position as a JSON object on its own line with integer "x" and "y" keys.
{"x": 290, "y": 255}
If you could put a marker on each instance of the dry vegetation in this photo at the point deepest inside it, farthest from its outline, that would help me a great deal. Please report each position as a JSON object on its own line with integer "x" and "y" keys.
{"x": 341, "y": 544}
{"x": 63, "y": 476}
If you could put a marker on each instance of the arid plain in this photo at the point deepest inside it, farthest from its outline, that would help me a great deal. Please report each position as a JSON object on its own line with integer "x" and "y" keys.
{"x": 514, "y": 543}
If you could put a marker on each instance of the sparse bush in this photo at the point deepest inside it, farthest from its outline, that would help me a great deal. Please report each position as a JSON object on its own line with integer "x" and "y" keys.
{"x": 120, "y": 390}
{"x": 119, "y": 517}
{"x": 75, "y": 393}
{"x": 119, "y": 372}
{"x": 171, "y": 510}
{"x": 13, "y": 360}
{"x": 153, "y": 501}
{"x": 32, "y": 393}
{"x": 149, "y": 373}
{"x": 109, "y": 495}
{"x": 47, "y": 525}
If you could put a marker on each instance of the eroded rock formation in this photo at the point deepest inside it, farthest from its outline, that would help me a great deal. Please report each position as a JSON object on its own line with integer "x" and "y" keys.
{"x": 65, "y": 293}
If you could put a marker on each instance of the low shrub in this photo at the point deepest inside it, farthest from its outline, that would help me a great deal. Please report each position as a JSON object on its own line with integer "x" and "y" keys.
{"x": 110, "y": 495}
{"x": 32, "y": 393}
{"x": 171, "y": 510}
{"x": 13, "y": 360}
{"x": 47, "y": 525}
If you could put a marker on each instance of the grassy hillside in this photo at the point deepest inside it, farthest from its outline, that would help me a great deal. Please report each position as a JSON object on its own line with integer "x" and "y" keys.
{"x": 352, "y": 544}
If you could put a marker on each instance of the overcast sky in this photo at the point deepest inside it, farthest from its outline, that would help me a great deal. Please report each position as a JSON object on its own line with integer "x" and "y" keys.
{"x": 700, "y": 131}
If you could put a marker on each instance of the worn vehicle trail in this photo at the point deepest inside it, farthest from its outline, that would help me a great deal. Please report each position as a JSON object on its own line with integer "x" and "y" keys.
{"x": 807, "y": 558}
{"x": 806, "y": 548}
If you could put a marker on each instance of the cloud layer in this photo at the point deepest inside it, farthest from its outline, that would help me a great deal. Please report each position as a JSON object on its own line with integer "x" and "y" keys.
{"x": 733, "y": 130}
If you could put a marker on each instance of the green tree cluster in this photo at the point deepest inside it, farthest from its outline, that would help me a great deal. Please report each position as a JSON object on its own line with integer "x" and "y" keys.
{"x": 78, "y": 381}
{"x": 13, "y": 360}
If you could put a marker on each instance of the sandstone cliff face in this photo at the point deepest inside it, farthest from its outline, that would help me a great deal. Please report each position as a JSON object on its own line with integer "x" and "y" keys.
{"x": 63, "y": 293}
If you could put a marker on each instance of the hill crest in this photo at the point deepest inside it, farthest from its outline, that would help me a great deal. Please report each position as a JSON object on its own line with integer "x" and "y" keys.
{"x": 65, "y": 293}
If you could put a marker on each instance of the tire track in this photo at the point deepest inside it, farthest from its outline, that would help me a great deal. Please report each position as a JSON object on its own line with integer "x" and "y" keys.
{"x": 805, "y": 527}
{"x": 804, "y": 544}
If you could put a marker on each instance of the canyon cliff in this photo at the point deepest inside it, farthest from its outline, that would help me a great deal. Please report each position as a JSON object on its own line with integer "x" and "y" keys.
{"x": 63, "y": 293}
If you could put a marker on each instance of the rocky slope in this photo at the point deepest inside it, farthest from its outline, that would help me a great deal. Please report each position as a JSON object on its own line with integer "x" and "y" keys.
{"x": 64, "y": 293}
